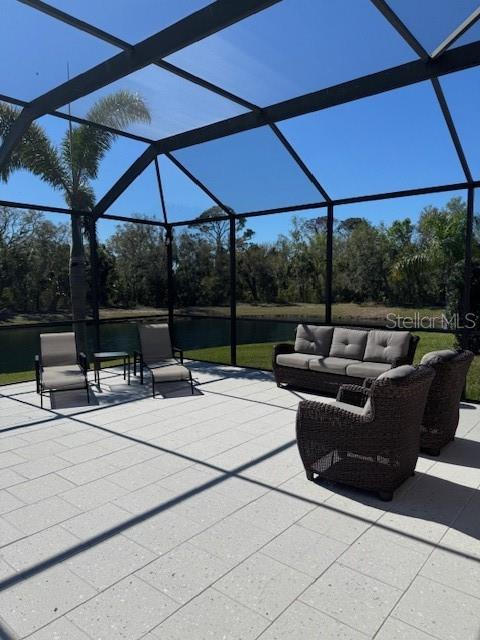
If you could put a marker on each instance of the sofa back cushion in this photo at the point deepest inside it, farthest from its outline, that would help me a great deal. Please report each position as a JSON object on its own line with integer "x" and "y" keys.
{"x": 348, "y": 343}
{"x": 386, "y": 346}
{"x": 313, "y": 339}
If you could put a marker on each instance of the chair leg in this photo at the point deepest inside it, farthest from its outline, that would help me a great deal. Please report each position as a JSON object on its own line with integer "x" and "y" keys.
{"x": 309, "y": 474}
{"x": 153, "y": 386}
{"x": 41, "y": 398}
{"x": 191, "y": 383}
{"x": 88, "y": 393}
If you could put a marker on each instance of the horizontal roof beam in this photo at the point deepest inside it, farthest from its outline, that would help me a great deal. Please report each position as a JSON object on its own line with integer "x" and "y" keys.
{"x": 403, "y": 75}
{"x": 197, "y": 26}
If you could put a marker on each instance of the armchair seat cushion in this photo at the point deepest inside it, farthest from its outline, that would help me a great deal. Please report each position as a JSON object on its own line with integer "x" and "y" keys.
{"x": 359, "y": 411}
{"x": 63, "y": 377}
{"x": 367, "y": 369}
{"x": 331, "y": 364}
{"x": 170, "y": 373}
{"x": 295, "y": 360}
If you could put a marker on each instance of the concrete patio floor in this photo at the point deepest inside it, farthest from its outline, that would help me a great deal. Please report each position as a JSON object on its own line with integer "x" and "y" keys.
{"x": 190, "y": 517}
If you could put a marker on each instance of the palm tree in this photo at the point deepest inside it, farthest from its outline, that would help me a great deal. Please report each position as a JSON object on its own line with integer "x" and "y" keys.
{"x": 70, "y": 168}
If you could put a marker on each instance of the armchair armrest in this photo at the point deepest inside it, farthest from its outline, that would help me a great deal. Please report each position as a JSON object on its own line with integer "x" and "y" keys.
{"x": 318, "y": 421}
{"x": 353, "y": 394}
{"x": 83, "y": 361}
{"x": 38, "y": 372}
{"x": 180, "y": 353}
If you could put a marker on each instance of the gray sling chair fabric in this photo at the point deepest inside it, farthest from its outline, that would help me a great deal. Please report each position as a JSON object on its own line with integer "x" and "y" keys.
{"x": 58, "y": 367}
{"x": 158, "y": 355}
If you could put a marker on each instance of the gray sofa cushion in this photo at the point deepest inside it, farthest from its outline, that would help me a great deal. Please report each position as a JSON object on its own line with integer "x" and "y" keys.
{"x": 295, "y": 360}
{"x": 313, "y": 339}
{"x": 386, "y": 346}
{"x": 397, "y": 373}
{"x": 437, "y": 357}
{"x": 367, "y": 369}
{"x": 331, "y": 364}
{"x": 348, "y": 343}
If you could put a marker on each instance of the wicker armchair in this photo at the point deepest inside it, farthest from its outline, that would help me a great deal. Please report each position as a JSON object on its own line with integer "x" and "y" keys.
{"x": 372, "y": 444}
{"x": 441, "y": 415}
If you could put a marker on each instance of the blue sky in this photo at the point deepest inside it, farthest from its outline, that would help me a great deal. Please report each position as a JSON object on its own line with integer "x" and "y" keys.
{"x": 393, "y": 141}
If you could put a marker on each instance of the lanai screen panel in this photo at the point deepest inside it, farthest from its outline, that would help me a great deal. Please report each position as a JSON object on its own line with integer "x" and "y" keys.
{"x": 129, "y": 20}
{"x": 295, "y": 47}
{"x": 431, "y": 21}
{"x": 388, "y": 142}
{"x": 37, "y": 52}
{"x": 174, "y": 104}
{"x": 250, "y": 171}
{"x": 462, "y": 91}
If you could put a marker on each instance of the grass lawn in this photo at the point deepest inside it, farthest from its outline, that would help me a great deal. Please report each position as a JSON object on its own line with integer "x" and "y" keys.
{"x": 260, "y": 356}
{"x": 342, "y": 312}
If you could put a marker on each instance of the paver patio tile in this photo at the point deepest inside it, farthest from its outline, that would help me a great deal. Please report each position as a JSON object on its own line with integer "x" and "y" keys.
{"x": 300, "y": 622}
{"x": 352, "y": 598}
{"x": 38, "y": 600}
{"x": 264, "y": 585}
{"x": 439, "y": 610}
{"x": 184, "y": 572}
{"x": 211, "y": 616}
{"x": 127, "y": 610}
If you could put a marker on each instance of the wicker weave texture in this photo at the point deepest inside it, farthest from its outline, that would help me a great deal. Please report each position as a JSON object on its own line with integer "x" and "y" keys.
{"x": 376, "y": 451}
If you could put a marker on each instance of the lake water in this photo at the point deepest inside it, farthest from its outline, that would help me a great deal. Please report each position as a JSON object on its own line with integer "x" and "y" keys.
{"x": 18, "y": 346}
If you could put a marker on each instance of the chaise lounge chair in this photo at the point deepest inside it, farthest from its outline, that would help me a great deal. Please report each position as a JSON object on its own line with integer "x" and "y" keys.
{"x": 59, "y": 367}
{"x": 158, "y": 356}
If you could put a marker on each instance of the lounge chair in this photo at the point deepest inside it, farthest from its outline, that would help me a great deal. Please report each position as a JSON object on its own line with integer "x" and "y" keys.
{"x": 59, "y": 367}
{"x": 370, "y": 436}
{"x": 440, "y": 420}
{"x": 159, "y": 356}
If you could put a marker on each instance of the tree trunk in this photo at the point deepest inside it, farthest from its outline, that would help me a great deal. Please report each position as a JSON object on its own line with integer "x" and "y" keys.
{"x": 78, "y": 291}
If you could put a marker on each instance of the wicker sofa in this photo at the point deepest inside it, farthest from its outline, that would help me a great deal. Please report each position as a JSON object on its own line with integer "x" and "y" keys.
{"x": 323, "y": 358}
{"x": 369, "y": 437}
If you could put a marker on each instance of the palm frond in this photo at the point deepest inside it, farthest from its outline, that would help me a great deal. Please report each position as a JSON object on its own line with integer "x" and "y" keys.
{"x": 34, "y": 152}
{"x": 84, "y": 147}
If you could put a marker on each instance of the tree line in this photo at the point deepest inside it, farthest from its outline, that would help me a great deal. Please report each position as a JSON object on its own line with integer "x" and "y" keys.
{"x": 399, "y": 264}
